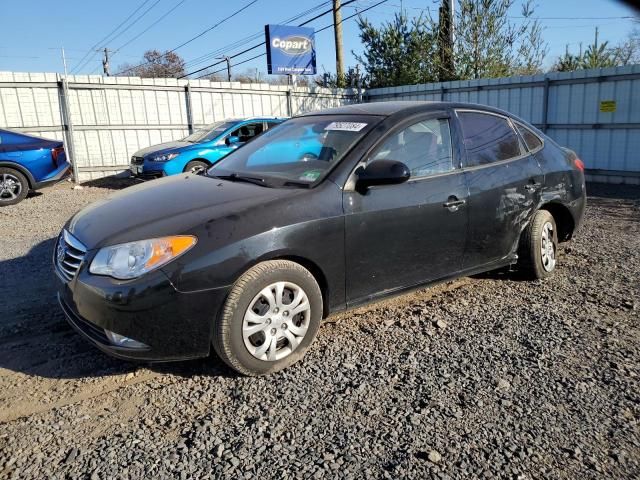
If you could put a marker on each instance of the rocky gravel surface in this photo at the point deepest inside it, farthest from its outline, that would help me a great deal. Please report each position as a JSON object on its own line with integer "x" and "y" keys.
{"x": 484, "y": 377}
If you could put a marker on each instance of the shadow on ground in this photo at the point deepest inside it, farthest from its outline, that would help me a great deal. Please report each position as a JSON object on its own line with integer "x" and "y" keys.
{"x": 36, "y": 340}
{"x": 113, "y": 182}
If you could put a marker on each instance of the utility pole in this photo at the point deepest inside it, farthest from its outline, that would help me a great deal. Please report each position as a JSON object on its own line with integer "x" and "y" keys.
{"x": 445, "y": 40}
{"x": 105, "y": 62}
{"x": 70, "y": 150}
{"x": 337, "y": 30}
{"x": 228, "y": 60}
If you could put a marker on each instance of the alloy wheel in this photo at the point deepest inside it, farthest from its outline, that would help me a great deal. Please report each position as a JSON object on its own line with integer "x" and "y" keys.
{"x": 10, "y": 187}
{"x": 276, "y": 321}
{"x": 548, "y": 247}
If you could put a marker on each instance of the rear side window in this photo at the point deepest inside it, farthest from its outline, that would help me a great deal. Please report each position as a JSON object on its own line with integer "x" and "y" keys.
{"x": 532, "y": 141}
{"x": 488, "y": 138}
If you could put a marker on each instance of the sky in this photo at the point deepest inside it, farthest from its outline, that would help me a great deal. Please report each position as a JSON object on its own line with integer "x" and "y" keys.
{"x": 33, "y": 31}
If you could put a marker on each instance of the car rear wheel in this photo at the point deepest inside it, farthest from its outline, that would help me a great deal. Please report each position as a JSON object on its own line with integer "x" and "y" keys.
{"x": 539, "y": 246}
{"x": 13, "y": 186}
{"x": 196, "y": 166}
{"x": 270, "y": 318}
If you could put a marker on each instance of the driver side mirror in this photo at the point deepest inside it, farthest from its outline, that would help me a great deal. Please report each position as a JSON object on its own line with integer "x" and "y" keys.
{"x": 381, "y": 172}
{"x": 232, "y": 140}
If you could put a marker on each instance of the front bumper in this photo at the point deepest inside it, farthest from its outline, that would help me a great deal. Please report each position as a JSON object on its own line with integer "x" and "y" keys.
{"x": 172, "y": 325}
{"x": 144, "y": 172}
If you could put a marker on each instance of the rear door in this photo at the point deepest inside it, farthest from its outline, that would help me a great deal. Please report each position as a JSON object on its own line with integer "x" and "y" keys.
{"x": 504, "y": 183}
{"x": 402, "y": 235}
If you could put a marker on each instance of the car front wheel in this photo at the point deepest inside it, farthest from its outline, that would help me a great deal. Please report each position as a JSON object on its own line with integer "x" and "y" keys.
{"x": 13, "y": 186}
{"x": 196, "y": 167}
{"x": 270, "y": 318}
{"x": 539, "y": 246}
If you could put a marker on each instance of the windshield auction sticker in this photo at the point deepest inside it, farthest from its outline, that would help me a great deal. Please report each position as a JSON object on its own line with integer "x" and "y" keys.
{"x": 346, "y": 126}
{"x": 311, "y": 175}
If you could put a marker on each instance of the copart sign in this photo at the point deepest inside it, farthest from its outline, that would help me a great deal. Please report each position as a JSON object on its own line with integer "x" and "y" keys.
{"x": 290, "y": 50}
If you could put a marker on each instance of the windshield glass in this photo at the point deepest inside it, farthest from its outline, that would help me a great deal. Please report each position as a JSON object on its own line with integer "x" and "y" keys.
{"x": 299, "y": 151}
{"x": 209, "y": 132}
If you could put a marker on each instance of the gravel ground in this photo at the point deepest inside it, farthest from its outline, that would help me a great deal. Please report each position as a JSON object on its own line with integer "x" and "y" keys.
{"x": 482, "y": 377}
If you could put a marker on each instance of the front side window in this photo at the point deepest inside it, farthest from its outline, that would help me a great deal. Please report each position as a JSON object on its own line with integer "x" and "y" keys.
{"x": 301, "y": 151}
{"x": 424, "y": 147}
{"x": 530, "y": 139}
{"x": 247, "y": 132}
{"x": 488, "y": 138}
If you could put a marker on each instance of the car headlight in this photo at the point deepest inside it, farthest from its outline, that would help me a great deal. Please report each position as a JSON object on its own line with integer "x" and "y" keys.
{"x": 165, "y": 157}
{"x": 130, "y": 260}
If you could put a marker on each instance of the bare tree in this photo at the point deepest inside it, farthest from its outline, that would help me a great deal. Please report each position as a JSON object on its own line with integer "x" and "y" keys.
{"x": 157, "y": 65}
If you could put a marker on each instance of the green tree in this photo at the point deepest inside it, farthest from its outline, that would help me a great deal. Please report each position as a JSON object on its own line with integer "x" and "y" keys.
{"x": 488, "y": 44}
{"x": 400, "y": 52}
{"x": 567, "y": 63}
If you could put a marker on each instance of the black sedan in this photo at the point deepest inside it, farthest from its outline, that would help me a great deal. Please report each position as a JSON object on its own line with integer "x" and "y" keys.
{"x": 324, "y": 212}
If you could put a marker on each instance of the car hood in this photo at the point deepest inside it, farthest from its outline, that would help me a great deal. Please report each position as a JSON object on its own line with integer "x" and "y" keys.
{"x": 162, "y": 148}
{"x": 167, "y": 206}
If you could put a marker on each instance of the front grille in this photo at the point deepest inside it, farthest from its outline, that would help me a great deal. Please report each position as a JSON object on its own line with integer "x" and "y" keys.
{"x": 137, "y": 160}
{"x": 68, "y": 255}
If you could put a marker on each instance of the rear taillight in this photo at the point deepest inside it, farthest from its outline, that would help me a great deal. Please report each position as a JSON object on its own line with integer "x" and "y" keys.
{"x": 55, "y": 153}
{"x": 579, "y": 164}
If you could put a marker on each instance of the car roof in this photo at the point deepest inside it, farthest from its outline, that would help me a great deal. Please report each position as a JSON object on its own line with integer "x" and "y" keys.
{"x": 252, "y": 119}
{"x": 387, "y": 109}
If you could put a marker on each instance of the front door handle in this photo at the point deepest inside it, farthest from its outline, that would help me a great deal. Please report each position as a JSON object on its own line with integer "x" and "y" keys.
{"x": 453, "y": 204}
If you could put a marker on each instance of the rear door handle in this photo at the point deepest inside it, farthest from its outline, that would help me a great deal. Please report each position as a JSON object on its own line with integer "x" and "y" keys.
{"x": 453, "y": 203}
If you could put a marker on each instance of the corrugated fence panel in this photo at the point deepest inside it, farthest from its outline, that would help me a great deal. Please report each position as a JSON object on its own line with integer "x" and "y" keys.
{"x": 112, "y": 117}
{"x": 605, "y": 135}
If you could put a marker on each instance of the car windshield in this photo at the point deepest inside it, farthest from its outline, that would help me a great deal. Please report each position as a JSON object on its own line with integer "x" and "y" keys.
{"x": 298, "y": 152}
{"x": 209, "y": 132}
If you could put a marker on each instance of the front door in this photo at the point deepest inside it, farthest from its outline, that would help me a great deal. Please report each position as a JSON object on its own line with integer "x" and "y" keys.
{"x": 399, "y": 236}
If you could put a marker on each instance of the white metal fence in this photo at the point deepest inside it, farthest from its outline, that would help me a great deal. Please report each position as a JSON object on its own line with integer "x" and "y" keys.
{"x": 594, "y": 112}
{"x": 109, "y": 118}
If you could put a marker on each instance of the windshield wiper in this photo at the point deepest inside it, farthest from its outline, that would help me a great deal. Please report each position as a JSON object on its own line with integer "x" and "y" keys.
{"x": 234, "y": 177}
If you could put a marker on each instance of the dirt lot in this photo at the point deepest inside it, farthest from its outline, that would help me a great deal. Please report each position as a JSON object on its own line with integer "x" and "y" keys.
{"x": 480, "y": 378}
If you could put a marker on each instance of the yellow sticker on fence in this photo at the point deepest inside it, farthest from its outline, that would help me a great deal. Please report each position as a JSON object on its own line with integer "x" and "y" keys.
{"x": 608, "y": 106}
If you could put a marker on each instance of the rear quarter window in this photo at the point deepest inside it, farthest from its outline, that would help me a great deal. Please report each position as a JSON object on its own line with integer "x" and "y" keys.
{"x": 532, "y": 141}
{"x": 488, "y": 138}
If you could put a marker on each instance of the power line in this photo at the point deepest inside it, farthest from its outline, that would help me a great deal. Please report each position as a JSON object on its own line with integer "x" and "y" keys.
{"x": 262, "y": 43}
{"x": 317, "y": 31}
{"x": 115, "y": 29}
{"x": 149, "y": 27}
{"x": 113, "y": 35}
{"x": 576, "y": 18}
{"x": 194, "y": 38}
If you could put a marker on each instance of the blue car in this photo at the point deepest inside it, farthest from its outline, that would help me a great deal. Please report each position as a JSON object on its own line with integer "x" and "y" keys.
{"x": 28, "y": 163}
{"x": 198, "y": 151}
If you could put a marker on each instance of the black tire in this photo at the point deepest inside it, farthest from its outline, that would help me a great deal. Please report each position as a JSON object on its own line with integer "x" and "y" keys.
{"x": 532, "y": 264}
{"x": 228, "y": 340}
{"x": 14, "y": 192}
{"x": 196, "y": 166}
